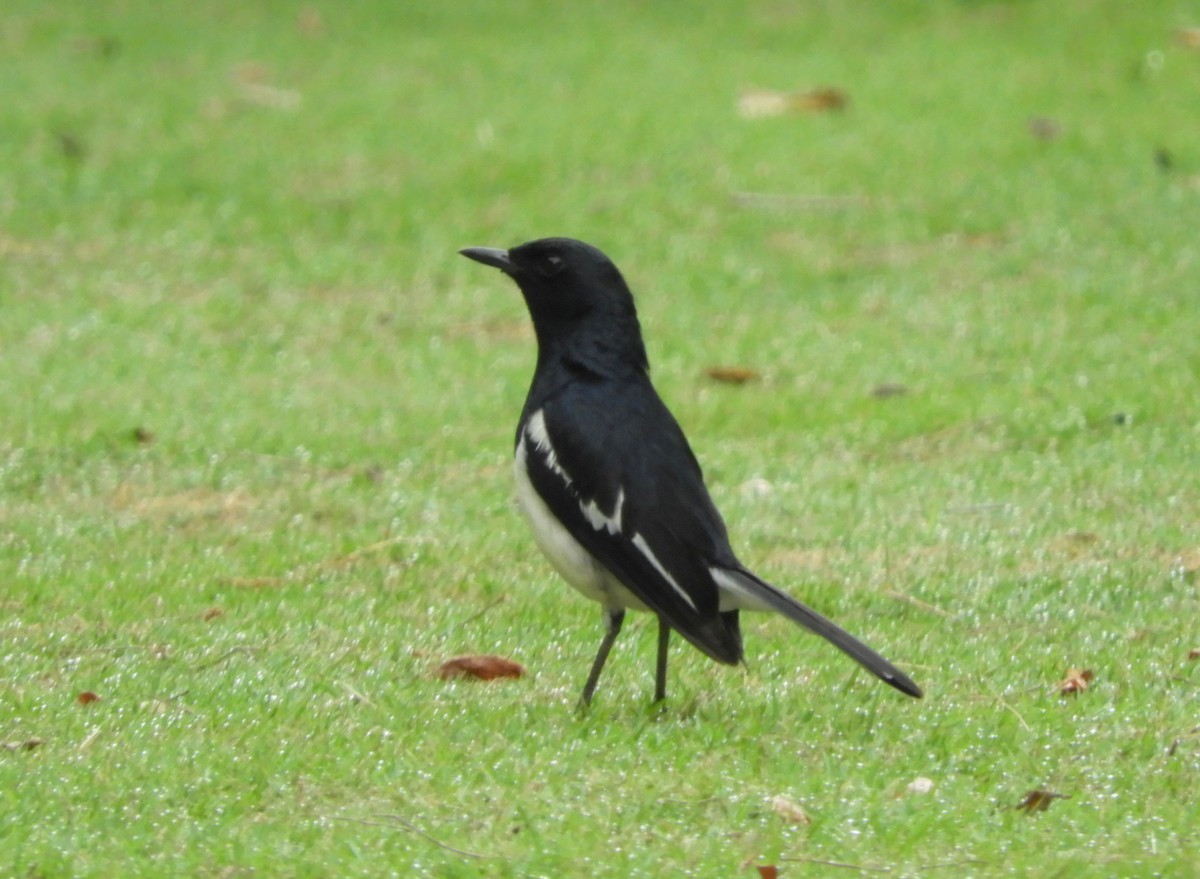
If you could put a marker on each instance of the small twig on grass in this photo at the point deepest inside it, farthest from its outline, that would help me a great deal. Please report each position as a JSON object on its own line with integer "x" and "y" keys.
{"x": 825, "y": 863}
{"x": 916, "y": 602}
{"x": 91, "y": 737}
{"x": 1016, "y": 713}
{"x": 315, "y": 567}
{"x": 224, "y": 656}
{"x": 473, "y": 617}
{"x": 355, "y": 695}
{"x": 393, "y": 820}
{"x": 356, "y": 554}
{"x": 1192, "y": 733}
{"x": 974, "y": 862}
{"x": 785, "y": 201}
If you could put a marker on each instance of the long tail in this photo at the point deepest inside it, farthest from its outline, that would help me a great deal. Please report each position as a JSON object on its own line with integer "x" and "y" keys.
{"x": 744, "y": 590}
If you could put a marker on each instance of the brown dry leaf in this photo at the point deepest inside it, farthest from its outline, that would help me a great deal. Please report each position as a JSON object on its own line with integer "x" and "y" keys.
{"x": 310, "y": 22}
{"x": 248, "y": 72}
{"x": 212, "y": 613}
{"x": 1040, "y": 800}
{"x": 189, "y": 504}
{"x": 1044, "y": 128}
{"x": 764, "y": 103}
{"x": 889, "y": 389}
{"x": 1194, "y": 653}
{"x": 1188, "y": 564}
{"x": 789, "y": 810}
{"x": 142, "y": 436}
{"x": 250, "y": 80}
{"x": 1076, "y": 544}
{"x": 732, "y": 375}
{"x": 87, "y": 697}
{"x": 1076, "y": 681}
{"x": 768, "y": 871}
{"x": 1188, "y": 37}
{"x": 27, "y": 745}
{"x": 270, "y": 96}
{"x": 481, "y": 667}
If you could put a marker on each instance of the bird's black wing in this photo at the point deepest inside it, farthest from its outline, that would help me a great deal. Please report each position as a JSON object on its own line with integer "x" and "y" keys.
{"x": 612, "y": 464}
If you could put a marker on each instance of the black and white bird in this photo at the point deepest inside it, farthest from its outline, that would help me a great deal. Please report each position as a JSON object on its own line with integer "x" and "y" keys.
{"x": 609, "y": 483}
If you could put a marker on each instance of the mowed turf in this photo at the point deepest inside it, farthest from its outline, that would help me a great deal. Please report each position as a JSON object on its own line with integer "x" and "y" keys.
{"x": 257, "y": 417}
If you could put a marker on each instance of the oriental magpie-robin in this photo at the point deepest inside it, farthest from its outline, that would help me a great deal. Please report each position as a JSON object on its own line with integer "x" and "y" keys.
{"x": 609, "y": 483}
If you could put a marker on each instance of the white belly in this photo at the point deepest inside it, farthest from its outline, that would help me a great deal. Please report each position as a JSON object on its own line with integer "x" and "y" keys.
{"x": 576, "y": 565}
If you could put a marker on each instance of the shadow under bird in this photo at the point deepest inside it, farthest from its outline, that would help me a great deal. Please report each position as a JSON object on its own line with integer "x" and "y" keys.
{"x": 608, "y": 482}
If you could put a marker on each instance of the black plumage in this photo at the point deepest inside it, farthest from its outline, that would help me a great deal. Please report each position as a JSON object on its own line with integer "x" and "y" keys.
{"x": 607, "y": 479}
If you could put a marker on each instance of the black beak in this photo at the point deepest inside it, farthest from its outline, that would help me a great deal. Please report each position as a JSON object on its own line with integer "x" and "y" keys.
{"x": 490, "y": 256}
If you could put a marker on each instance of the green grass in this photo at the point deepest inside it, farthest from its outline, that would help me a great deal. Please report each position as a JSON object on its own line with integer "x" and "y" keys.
{"x": 230, "y": 229}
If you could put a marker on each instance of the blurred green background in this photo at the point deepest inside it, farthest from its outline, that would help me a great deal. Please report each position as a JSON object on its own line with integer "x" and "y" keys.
{"x": 257, "y": 417}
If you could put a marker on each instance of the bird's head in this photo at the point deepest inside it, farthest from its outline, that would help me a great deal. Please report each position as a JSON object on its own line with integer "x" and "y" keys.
{"x": 575, "y": 295}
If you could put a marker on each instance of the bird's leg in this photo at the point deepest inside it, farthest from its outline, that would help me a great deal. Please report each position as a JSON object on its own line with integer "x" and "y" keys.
{"x": 660, "y": 672}
{"x": 612, "y": 627}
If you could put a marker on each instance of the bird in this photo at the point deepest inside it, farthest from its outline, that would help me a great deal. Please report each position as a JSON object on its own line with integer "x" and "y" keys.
{"x": 609, "y": 484}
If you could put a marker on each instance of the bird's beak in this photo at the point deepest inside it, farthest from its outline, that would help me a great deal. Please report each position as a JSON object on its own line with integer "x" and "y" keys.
{"x": 490, "y": 256}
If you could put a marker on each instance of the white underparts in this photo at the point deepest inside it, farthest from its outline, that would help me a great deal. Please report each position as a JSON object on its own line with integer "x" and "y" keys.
{"x": 575, "y": 563}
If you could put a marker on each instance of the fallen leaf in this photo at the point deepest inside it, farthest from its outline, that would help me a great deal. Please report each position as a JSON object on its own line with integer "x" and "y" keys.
{"x": 27, "y": 745}
{"x": 71, "y": 145}
{"x": 483, "y": 667}
{"x": 1188, "y": 37}
{"x": 920, "y": 785}
{"x": 250, "y": 80}
{"x": 789, "y": 811}
{"x": 1044, "y": 128}
{"x": 764, "y": 103}
{"x": 87, "y": 697}
{"x": 732, "y": 375}
{"x": 757, "y": 487}
{"x": 888, "y": 389}
{"x": 768, "y": 871}
{"x": 310, "y": 22}
{"x": 1076, "y": 681}
{"x": 1040, "y": 800}
{"x": 102, "y": 47}
{"x": 142, "y": 436}
{"x": 1194, "y": 653}
{"x": 270, "y": 96}
{"x": 1188, "y": 564}
{"x": 1076, "y": 543}
{"x": 212, "y": 613}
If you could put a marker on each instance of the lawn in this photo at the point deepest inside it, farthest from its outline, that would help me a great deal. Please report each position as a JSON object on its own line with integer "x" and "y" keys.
{"x": 255, "y": 480}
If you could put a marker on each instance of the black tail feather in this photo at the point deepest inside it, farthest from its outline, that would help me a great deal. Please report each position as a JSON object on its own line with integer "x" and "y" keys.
{"x": 757, "y": 594}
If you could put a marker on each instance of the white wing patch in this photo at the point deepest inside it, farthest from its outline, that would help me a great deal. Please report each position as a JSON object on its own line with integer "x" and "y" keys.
{"x": 644, "y": 549}
{"x": 535, "y": 429}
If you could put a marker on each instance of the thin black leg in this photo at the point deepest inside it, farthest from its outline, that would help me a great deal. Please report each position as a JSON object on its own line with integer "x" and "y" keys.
{"x": 612, "y": 628}
{"x": 660, "y": 673}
